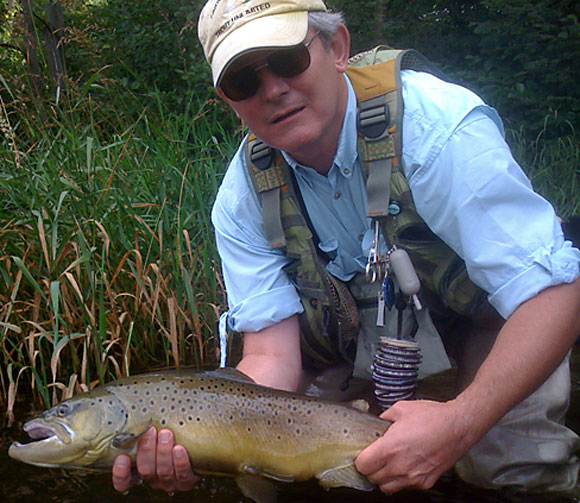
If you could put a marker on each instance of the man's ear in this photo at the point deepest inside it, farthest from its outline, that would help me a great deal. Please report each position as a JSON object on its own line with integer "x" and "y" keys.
{"x": 229, "y": 102}
{"x": 341, "y": 47}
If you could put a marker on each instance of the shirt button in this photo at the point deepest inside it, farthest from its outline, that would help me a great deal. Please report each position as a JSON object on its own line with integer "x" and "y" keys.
{"x": 336, "y": 195}
{"x": 346, "y": 171}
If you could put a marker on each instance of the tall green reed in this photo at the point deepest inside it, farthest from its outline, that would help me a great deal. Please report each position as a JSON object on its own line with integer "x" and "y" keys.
{"x": 107, "y": 258}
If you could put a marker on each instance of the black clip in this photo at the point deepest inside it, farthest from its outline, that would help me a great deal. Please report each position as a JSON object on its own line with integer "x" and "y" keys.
{"x": 374, "y": 120}
{"x": 261, "y": 155}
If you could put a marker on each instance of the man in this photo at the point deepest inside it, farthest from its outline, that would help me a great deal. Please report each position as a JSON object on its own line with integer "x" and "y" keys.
{"x": 470, "y": 192}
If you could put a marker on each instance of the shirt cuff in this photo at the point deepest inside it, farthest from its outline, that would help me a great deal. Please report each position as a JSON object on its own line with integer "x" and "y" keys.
{"x": 547, "y": 269}
{"x": 264, "y": 310}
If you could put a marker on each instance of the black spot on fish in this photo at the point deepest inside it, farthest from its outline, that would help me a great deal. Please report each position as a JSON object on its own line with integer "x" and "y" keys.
{"x": 144, "y": 409}
{"x": 345, "y": 431}
{"x": 163, "y": 421}
{"x": 298, "y": 432}
{"x": 133, "y": 407}
{"x": 162, "y": 410}
{"x": 181, "y": 423}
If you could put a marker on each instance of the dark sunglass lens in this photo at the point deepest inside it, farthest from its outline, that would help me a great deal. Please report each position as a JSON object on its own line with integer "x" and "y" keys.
{"x": 240, "y": 84}
{"x": 288, "y": 63}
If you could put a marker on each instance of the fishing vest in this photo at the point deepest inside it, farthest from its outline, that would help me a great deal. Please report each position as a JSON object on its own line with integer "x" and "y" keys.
{"x": 329, "y": 324}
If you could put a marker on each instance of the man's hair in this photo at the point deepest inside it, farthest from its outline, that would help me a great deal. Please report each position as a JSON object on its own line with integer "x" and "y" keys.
{"x": 326, "y": 23}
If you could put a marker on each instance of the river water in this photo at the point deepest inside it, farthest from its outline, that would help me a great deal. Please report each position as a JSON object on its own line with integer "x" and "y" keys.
{"x": 20, "y": 483}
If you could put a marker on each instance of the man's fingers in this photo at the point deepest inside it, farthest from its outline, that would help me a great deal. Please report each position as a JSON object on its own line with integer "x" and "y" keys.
{"x": 370, "y": 460}
{"x": 122, "y": 480}
{"x": 146, "y": 455}
{"x": 165, "y": 470}
{"x": 184, "y": 475}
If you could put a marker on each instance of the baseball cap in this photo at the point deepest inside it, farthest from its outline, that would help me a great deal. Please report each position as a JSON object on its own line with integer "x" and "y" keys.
{"x": 229, "y": 28}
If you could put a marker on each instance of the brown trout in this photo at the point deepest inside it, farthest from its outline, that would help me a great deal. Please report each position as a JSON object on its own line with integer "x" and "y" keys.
{"x": 229, "y": 425}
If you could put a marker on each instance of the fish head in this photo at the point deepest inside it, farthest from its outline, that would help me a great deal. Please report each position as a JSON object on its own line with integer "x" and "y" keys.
{"x": 74, "y": 433}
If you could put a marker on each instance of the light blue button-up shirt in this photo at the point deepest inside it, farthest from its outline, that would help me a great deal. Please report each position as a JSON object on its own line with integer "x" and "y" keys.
{"x": 465, "y": 184}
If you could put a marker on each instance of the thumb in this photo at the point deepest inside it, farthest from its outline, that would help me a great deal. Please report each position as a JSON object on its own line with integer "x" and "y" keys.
{"x": 393, "y": 413}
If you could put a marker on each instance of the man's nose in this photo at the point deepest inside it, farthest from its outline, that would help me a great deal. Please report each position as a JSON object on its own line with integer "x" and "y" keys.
{"x": 271, "y": 85}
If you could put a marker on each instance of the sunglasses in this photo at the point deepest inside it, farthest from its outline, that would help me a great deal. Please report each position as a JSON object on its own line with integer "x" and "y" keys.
{"x": 243, "y": 83}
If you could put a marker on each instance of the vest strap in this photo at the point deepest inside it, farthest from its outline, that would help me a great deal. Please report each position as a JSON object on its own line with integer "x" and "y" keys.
{"x": 377, "y": 149}
{"x": 268, "y": 179}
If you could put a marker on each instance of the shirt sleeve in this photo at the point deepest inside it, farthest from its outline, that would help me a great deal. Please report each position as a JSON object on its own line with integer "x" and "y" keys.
{"x": 259, "y": 292}
{"x": 472, "y": 193}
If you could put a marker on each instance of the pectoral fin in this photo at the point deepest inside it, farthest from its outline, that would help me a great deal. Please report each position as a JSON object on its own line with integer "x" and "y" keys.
{"x": 126, "y": 441}
{"x": 257, "y": 489}
{"x": 347, "y": 476}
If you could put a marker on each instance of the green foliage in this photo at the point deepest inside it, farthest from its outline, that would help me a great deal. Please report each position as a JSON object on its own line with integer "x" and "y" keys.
{"x": 522, "y": 58}
{"x": 152, "y": 44}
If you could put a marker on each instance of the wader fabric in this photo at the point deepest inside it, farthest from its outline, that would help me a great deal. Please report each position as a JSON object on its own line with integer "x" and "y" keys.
{"x": 530, "y": 448}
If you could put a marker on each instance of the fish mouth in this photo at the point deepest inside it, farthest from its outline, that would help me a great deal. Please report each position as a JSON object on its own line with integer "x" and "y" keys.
{"x": 38, "y": 434}
{"x": 44, "y": 443}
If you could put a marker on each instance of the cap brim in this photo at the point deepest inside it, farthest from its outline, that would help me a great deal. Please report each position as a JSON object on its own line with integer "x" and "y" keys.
{"x": 282, "y": 30}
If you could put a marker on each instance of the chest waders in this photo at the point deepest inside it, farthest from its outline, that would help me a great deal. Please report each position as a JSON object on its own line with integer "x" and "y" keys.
{"x": 330, "y": 323}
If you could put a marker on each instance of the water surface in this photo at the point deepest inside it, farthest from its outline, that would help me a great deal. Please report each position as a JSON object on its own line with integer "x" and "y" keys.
{"x": 20, "y": 483}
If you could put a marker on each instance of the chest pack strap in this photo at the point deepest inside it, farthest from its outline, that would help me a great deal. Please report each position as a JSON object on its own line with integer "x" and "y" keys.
{"x": 268, "y": 178}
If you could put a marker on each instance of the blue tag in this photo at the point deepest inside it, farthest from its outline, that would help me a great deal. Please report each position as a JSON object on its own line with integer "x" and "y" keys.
{"x": 389, "y": 292}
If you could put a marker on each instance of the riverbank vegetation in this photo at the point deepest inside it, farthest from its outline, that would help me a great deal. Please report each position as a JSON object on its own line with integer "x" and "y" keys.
{"x": 113, "y": 144}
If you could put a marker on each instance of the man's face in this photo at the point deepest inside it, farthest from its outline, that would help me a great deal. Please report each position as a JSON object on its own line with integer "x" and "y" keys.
{"x": 301, "y": 115}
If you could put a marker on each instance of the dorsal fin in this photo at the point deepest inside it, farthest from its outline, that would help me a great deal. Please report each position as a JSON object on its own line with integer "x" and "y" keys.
{"x": 232, "y": 373}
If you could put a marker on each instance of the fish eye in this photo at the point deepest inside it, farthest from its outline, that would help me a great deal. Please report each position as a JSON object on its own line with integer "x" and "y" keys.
{"x": 62, "y": 410}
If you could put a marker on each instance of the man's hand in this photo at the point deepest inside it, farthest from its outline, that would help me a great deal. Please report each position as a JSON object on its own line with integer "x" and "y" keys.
{"x": 160, "y": 463}
{"x": 425, "y": 440}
